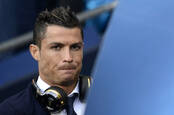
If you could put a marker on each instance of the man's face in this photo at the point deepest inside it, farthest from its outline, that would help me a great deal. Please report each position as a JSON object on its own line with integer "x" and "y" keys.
{"x": 60, "y": 55}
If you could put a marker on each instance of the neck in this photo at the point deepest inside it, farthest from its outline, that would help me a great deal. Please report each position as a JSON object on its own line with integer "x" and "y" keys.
{"x": 68, "y": 87}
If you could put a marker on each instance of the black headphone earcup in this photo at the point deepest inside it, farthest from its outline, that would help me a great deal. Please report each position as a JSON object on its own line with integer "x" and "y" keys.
{"x": 55, "y": 99}
{"x": 84, "y": 85}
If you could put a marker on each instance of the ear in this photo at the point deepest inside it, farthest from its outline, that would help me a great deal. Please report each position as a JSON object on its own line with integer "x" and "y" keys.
{"x": 35, "y": 51}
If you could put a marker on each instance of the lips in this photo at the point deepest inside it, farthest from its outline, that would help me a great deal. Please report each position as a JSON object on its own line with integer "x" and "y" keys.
{"x": 67, "y": 68}
{"x": 68, "y": 71}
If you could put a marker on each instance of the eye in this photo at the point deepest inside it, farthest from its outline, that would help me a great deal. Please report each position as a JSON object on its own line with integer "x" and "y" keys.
{"x": 56, "y": 47}
{"x": 76, "y": 47}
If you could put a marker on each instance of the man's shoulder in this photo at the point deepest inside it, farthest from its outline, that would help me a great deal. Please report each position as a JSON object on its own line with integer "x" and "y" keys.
{"x": 17, "y": 102}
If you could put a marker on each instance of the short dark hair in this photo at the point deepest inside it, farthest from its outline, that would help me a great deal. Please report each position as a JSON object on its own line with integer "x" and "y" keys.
{"x": 59, "y": 16}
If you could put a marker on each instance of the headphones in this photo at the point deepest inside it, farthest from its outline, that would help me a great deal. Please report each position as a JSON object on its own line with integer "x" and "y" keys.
{"x": 54, "y": 99}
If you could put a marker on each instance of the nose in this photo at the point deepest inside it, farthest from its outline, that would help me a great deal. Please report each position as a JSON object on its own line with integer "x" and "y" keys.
{"x": 67, "y": 56}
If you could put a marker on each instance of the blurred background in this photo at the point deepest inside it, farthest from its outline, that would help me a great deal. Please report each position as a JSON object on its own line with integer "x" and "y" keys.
{"x": 17, "y": 21}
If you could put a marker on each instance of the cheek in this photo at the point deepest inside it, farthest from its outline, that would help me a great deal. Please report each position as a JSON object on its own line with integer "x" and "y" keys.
{"x": 78, "y": 61}
{"x": 48, "y": 61}
{"x": 44, "y": 63}
{"x": 78, "y": 58}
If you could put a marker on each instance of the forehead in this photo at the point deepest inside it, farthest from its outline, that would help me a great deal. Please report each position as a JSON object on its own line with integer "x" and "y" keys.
{"x": 61, "y": 34}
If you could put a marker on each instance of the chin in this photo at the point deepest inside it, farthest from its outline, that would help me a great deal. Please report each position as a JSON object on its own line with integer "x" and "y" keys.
{"x": 68, "y": 82}
{"x": 68, "y": 79}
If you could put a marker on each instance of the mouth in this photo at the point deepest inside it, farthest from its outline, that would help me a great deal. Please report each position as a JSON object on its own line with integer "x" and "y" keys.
{"x": 68, "y": 69}
{"x": 67, "y": 66}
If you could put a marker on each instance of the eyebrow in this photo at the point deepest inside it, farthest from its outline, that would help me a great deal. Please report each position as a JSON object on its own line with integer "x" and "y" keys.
{"x": 79, "y": 43}
{"x": 59, "y": 43}
{"x": 55, "y": 43}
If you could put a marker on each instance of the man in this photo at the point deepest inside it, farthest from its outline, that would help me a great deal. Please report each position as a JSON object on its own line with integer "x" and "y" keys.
{"x": 58, "y": 48}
